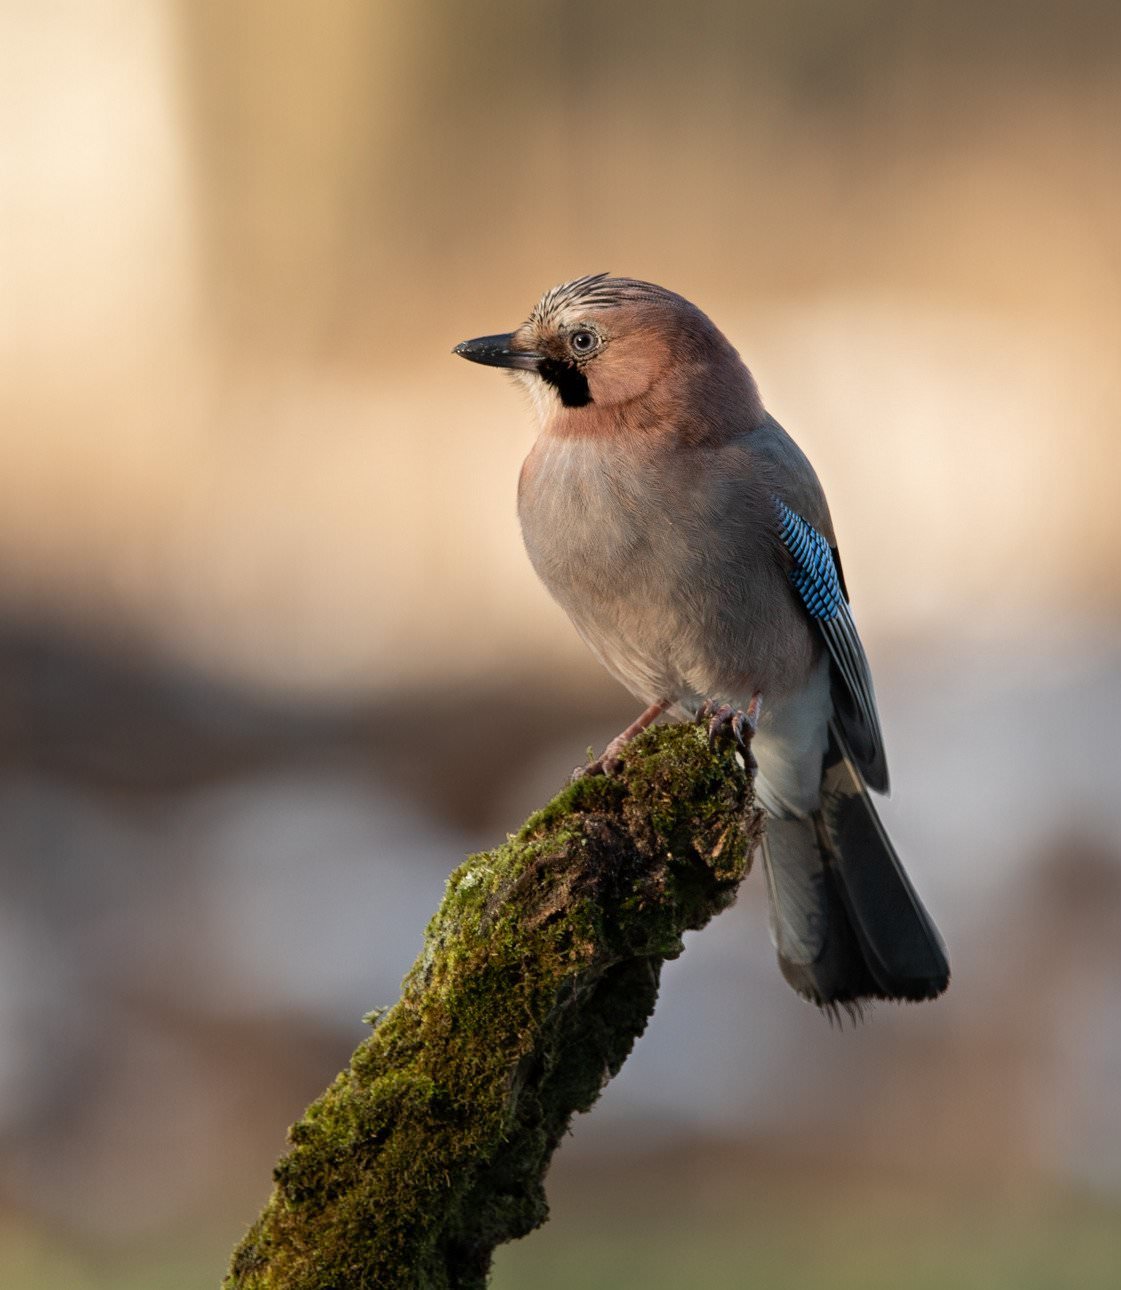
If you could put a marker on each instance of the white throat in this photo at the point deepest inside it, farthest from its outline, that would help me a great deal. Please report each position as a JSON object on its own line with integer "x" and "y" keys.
{"x": 543, "y": 397}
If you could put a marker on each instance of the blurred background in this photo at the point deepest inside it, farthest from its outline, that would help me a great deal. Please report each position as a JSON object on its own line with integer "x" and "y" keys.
{"x": 272, "y": 659}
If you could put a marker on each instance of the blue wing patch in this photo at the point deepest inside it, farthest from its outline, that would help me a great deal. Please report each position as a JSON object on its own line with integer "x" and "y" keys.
{"x": 815, "y": 578}
{"x": 814, "y": 575}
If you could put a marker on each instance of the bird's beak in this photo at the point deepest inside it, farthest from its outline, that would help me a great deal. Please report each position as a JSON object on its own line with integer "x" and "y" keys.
{"x": 498, "y": 351}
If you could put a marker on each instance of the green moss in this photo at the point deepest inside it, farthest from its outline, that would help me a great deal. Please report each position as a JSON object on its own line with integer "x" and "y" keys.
{"x": 538, "y": 972}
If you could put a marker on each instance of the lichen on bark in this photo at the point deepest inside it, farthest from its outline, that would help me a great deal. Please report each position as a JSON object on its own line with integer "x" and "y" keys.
{"x": 538, "y": 973}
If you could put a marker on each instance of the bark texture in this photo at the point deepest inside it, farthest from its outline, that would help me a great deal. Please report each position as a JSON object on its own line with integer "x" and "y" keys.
{"x": 538, "y": 973}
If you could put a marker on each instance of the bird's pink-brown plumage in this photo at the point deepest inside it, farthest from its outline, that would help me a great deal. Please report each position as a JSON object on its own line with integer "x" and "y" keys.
{"x": 648, "y": 507}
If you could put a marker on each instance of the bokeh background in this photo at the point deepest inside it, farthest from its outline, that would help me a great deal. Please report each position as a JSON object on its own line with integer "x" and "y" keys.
{"x": 272, "y": 659}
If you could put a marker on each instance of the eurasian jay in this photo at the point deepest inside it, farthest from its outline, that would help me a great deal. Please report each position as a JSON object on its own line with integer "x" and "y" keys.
{"x": 688, "y": 538}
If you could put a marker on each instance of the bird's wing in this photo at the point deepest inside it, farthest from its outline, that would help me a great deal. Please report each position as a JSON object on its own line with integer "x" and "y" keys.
{"x": 815, "y": 574}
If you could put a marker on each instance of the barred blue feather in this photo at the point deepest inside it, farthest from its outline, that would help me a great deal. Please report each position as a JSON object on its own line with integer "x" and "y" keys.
{"x": 814, "y": 575}
{"x": 815, "y": 578}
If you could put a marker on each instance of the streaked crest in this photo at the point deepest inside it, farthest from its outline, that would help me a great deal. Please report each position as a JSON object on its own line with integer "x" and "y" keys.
{"x": 596, "y": 289}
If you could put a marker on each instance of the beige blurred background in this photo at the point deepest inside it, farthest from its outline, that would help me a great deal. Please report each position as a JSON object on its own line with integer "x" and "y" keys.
{"x": 272, "y": 657}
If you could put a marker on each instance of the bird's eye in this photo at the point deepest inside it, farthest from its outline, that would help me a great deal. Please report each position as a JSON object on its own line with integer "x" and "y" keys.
{"x": 583, "y": 342}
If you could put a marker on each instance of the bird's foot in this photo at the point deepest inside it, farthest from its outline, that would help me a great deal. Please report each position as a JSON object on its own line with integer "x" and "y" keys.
{"x": 608, "y": 764}
{"x": 726, "y": 722}
{"x": 611, "y": 763}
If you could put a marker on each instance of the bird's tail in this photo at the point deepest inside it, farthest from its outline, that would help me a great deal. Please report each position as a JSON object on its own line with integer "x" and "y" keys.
{"x": 845, "y": 919}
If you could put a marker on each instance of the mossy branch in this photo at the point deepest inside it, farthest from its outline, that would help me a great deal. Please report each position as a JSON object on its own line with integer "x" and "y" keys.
{"x": 538, "y": 973}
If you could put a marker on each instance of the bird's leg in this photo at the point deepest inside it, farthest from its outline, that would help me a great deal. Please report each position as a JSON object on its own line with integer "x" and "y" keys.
{"x": 608, "y": 763}
{"x": 724, "y": 720}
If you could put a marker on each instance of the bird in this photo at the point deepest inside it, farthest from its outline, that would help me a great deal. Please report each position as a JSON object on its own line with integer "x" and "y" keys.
{"x": 689, "y": 540}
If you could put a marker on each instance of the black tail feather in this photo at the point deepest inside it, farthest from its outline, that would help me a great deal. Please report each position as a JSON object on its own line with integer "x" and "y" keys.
{"x": 847, "y": 923}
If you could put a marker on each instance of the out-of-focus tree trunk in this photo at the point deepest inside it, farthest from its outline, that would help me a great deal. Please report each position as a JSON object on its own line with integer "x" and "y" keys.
{"x": 538, "y": 973}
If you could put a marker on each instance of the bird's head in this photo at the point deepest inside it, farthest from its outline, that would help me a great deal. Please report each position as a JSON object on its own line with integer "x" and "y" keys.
{"x": 601, "y": 345}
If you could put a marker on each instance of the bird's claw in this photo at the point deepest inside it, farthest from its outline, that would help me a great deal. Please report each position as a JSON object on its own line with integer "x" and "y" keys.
{"x": 725, "y": 722}
{"x": 607, "y": 764}
{"x": 597, "y": 767}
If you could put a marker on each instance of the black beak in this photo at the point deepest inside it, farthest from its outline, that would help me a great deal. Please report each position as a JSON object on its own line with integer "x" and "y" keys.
{"x": 496, "y": 351}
